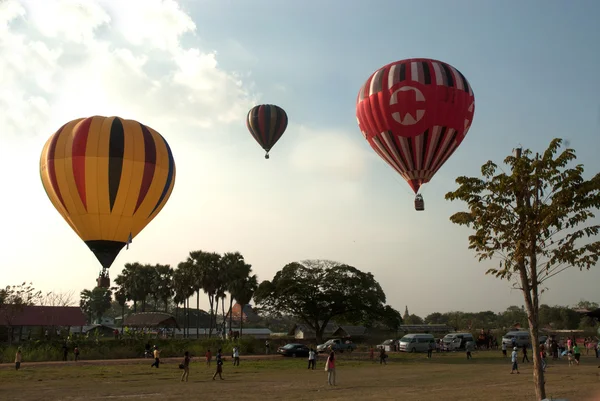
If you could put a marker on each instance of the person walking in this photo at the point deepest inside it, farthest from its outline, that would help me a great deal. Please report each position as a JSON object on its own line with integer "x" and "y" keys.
{"x": 514, "y": 356}
{"x": 469, "y": 346}
{"x": 208, "y": 356}
{"x": 18, "y": 359}
{"x": 382, "y": 356}
{"x": 330, "y": 369}
{"x": 156, "y": 358}
{"x": 236, "y": 356}
{"x": 525, "y": 358}
{"x": 186, "y": 366}
{"x": 267, "y": 347}
{"x": 219, "y": 360}
{"x": 76, "y": 353}
{"x": 312, "y": 359}
{"x": 576, "y": 353}
{"x": 504, "y": 349}
{"x": 430, "y": 349}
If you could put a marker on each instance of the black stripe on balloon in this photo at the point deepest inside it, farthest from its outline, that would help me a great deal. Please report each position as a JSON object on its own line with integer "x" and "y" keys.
{"x": 116, "y": 149}
{"x": 447, "y": 150}
{"x": 424, "y": 149}
{"x": 398, "y": 149}
{"x": 268, "y": 136}
{"x": 448, "y": 75}
{"x": 436, "y": 147}
{"x": 170, "y": 176}
{"x": 464, "y": 80}
{"x": 426, "y": 73}
{"x": 402, "y": 72}
{"x": 278, "y": 122}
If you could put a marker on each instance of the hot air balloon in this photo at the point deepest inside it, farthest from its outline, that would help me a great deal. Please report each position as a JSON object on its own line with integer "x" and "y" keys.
{"x": 415, "y": 113}
{"x": 266, "y": 123}
{"x": 108, "y": 178}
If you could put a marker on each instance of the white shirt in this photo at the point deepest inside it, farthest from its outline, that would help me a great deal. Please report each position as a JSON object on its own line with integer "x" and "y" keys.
{"x": 236, "y": 353}
{"x": 311, "y": 355}
{"x": 513, "y": 356}
{"x": 503, "y": 347}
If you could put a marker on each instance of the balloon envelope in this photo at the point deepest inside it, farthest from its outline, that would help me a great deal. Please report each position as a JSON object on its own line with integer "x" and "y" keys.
{"x": 415, "y": 113}
{"x": 266, "y": 123}
{"x": 108, "y": 177}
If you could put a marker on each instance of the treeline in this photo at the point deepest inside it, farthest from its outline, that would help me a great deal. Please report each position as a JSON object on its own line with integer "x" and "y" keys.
{"x": 555, "y": 317}
{"x": 217, "y": 276}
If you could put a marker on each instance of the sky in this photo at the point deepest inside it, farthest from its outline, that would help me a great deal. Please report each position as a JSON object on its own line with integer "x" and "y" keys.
{"x": 192, "y": 69}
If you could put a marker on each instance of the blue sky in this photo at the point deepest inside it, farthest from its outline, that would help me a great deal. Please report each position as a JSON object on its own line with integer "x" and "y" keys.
{"x": 192, "y": 71}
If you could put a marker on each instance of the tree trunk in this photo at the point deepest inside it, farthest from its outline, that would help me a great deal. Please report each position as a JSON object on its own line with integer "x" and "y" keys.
{"x": 135, "y": 306}
{"x": 241, "y": 321}
{"x": 211, "y": 302}
{"x": 122, "y": 316}
{"x": 216, "y": 312}
{"x": 198, "y": 314}
{"x": 230, "y": 312}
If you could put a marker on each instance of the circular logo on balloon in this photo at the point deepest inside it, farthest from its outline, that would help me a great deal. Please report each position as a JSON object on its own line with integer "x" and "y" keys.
{"x": 407, "y": 105}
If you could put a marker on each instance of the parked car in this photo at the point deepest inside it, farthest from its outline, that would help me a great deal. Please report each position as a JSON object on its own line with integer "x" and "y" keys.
{"x": 293, "y": 350}
{"x": 415, "y": 342}
{"x": 388, "y": 345}
{"x": 336, "y": 345}
{"x": 521, "y": 338}
{"x": 456, "y": 341}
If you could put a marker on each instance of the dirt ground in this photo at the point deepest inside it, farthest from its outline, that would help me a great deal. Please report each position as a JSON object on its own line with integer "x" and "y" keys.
{"x": 405, "y": 377}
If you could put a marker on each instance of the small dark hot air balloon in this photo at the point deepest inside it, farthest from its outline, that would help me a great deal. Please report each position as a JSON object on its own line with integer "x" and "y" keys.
{"x": 266, "y": 123}
{"x": 108, "y": 178}
{"x": 415, "y": 113}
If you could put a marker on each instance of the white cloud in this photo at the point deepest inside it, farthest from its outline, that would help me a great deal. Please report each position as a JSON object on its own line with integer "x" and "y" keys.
{"x": 67, "y": 59}
{"x": 333, "y": 154}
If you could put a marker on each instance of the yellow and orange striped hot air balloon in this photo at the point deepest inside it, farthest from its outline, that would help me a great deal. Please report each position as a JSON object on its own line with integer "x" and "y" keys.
{"x": 108, "y": 178}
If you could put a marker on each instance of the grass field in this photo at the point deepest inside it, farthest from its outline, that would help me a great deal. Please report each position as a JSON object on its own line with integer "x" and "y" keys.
{"x": 405, "y": 377}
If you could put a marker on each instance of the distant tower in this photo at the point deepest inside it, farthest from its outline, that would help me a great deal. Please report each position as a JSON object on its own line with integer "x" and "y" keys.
{"x": 406, "y": 315}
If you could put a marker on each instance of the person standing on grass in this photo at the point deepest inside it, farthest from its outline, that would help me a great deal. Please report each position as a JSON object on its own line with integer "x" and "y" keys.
{"x": 525, "y": 358}
{"x": 65, "y": 351}
{"x": 186, "y": 366}
{"x": 469, "y": 347}
{"x": 236, "y": 356}
{"x": 514, "y": 356}
{"x": 208, "y": 356}
{"x": 372, "y": 354}
{"x": 430, "y": 349}
{"x": 312, "y": 359}
{"x": 330, "y": 369}
{"x": 576, "y": 353}
{"x": 18, "y": 359}
{"x": 504, "y": 349}
{"x": 267, "y": 347}
{"x": 219, "y": 360}
{"x": 382, "y": 356}
{"x": 76, "y": 353}
{"x": 156, "y": 358}
{"x": 543, "y": 357}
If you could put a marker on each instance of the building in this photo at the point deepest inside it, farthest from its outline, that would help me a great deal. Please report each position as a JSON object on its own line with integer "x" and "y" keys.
{"x": 425, "y": 328}
{"x": 301, "y": 331}
{"x": 247, "y": 315}
{"x": 22, "y": 320}
{"x": 353, "y": 332}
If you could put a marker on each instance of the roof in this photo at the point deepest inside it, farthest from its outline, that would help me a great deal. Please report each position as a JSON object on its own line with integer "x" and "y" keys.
{"x": 594, "y": 313}
{"x": 150, "y": 319}
{"x": 330, "y": 328}
{"x": 356, "y": 331}
{"x": 432, "y": 328}
{"x": 41, "y": 316}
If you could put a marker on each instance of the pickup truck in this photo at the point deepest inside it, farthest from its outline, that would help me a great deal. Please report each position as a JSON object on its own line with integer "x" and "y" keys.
{"x": 336, "y": 345}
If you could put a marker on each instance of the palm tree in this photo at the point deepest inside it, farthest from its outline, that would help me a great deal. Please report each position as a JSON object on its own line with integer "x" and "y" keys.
{"x": 235, "y": 271}
{"x": 243, "y": 295}
{"x": 183, "y": 286}
{"x": 206, "y": 269}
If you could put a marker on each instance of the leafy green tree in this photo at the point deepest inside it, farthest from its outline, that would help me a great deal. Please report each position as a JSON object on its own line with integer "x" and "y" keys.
{"x": 13, "y": 299}
{"x": 413, "y": 319}
{"x": 94, "y": 303}
{"x": 390, "y": 318}
{"x": 236, "y": 272}
{"x": 243, "y": 293}
{"x": 436, "y": 318}
{"x": 536, "y": 220}
{"x": 316, "y": 291}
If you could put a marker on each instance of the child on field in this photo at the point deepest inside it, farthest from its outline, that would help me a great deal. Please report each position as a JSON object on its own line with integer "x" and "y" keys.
{"x": 18, "y": 359}
{"x": 208, "y": 356}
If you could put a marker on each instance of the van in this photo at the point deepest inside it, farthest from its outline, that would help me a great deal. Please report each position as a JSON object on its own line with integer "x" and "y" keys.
{"x": 521, "y": 338}
{"x": 415, "y": 342}
{"x": 456, "y": 341}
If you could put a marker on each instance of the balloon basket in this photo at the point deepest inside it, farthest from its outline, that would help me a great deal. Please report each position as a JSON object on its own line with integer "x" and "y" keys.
{"x": 419, "y": 203}
{"x": 267, "y": 156}
{"x": 103, "y": 282}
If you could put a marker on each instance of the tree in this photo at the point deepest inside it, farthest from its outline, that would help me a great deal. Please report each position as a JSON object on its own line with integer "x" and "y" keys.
{"x": 535, "y": 220}
{"x": 58, "y": 299}
{"x": 390, "y": 318}
{"x": 243, "y": 293}
{"x": 236, "y": 272}
{"x": 316, "y": 291}
{"x": 413, "y": 319}
{"x": 95, "y": 302}
{"x": 13, "y": 299}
